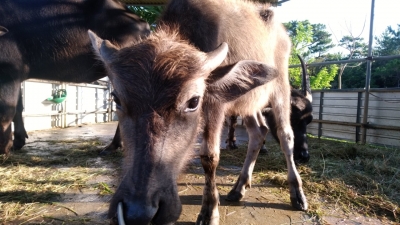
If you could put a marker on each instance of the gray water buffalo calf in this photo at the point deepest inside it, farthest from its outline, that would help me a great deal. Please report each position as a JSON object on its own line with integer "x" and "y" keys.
{"x": 183, "y": 80}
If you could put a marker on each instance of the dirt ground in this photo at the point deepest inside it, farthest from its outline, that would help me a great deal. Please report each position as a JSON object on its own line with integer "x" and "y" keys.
{"x": 263, "y": 204}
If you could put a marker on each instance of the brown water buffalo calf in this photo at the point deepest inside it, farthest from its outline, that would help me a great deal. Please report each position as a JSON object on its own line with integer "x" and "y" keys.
{"x": 48, "y": 39}
{"x": 300, "y": 117}
{"x": 182, "y": 80}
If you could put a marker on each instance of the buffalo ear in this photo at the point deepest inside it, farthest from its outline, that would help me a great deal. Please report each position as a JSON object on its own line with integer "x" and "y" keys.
{"x": 3, "y": 31}
{"x": 228, "y": 83}
{"x": 103, "y": 48}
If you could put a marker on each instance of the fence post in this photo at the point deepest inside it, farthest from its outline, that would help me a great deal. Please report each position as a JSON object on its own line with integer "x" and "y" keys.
{"x": 64, "y": 108}
{"x": 368, "y": 76}
{"x": 109, "y": 101}
{"x": 358, "y": 116}
{"x": 321, "y": 108}
{"x": 96, "y": 97}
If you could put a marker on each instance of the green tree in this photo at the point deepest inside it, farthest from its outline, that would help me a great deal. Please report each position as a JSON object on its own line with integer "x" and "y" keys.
{"x": 148, "y": 13}
{"x": 353, "y": 77}
{"x": 322, "y": 41}
{"x": 301, "y": 35}
{"x": 386, "y": 73}
{"x": 356, "y": 49}
{"x": 355, "y": 45}
{"x": 322, "y": 77}
{"x": 309, "y": 40}
{"x": 389, "y": 42}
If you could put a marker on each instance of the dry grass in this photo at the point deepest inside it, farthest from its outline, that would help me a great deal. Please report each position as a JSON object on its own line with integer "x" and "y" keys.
{"x": 347, "y": 176}
{"x": 34, "y": 179}
{"x": 352, "y": 177}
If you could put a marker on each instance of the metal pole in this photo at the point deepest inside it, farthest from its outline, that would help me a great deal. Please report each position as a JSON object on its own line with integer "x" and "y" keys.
{"x": 368, "y": 75}
{"x": 349, "y": 61}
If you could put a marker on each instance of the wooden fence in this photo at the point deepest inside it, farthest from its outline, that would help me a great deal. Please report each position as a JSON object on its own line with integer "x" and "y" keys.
{"x": 339, "y": 114}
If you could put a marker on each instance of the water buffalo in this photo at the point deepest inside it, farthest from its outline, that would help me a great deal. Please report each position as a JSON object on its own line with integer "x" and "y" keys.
{"x": 300, "y": 117}
{"x": 181, "y": 80}
{"x": 48, "y": 39}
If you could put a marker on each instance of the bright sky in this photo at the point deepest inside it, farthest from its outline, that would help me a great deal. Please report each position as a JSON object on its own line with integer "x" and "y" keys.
{"x": 343, "y": 16}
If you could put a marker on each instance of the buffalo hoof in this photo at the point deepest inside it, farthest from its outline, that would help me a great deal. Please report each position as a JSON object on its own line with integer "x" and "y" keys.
{"x": 206, "y": 220}
{"x": 234, "y": 196}
{"x": 108, "y": 150}
{"x": 5, "y": 149}
{"x": 302, "y": 158}
{"x": 263, "y": 150}
{"x": 300, "y": 202}
{"x": 105, "y": 152}
{"x": 4, "y": 152}
{"x": 231, "y": 146}
{"x": 114, "y": 221}
{"x": 18, "y": 143}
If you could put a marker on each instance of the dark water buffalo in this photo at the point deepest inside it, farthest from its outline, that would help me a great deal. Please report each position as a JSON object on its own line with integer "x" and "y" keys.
{"x": 47, "y": 39}
{"x": 182, "y": 80}
{"x": 300, "y": 117}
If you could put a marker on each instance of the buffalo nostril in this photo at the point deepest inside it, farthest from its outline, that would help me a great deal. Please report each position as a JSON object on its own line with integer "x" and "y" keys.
{"x": 136, "y": 213}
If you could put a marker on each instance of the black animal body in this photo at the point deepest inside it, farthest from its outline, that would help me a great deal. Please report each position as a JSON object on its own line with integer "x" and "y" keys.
{"x": 47, "y": 39}
{"x": 301, "y": 115}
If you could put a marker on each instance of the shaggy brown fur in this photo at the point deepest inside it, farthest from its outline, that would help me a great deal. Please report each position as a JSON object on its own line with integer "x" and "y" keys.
{"x": 184, "y": 76}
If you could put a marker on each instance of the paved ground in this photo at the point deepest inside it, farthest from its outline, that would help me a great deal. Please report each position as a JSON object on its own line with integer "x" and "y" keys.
{"x": 263, "y": 204}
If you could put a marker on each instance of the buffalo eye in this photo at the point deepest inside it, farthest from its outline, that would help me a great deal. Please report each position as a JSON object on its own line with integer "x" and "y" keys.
{"x": 116, "y": 100}
{"x": 192, "y": 104}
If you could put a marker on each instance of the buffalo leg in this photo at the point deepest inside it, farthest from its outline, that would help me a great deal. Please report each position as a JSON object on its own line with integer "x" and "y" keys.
{"x": 114, "y": 145}
{"x": 231, "y": 141}
{"x": 9, "y": 89}
{"x": 19, "y": 129}
{"x": 209, "y": 155}
{"x": 257, "y": 130}
{"x": 286, "y": 139}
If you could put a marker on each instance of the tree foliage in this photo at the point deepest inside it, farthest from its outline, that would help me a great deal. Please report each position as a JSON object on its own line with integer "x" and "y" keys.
{"x": 313, "y": 43}
{"x": 355, "y": 46}
{"x": 309, "y": 40}
{"x": 148, "y": 13}
{"x": 322, "y": 41}
{"x": 389, "y": 42}
{"x": 301, "y": 35}
{"x": 385, "y": 73}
